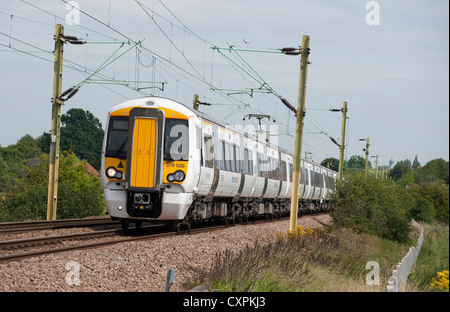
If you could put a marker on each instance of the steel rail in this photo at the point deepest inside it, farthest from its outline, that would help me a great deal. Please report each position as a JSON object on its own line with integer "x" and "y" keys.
{"x": 29, "y": 254}
{"x": 25, "y": 226}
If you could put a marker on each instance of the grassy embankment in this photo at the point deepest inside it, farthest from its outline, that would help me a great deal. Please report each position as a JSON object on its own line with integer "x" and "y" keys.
{"x": 326, "y": 260}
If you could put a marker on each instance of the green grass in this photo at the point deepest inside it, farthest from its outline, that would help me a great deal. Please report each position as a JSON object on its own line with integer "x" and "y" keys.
{"x": 433, "y": 257}
{"x": 328, "y": 260}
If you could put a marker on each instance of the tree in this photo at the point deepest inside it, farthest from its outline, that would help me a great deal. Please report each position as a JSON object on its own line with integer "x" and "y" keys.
{"x": 422, "y": 211}
{"x": 416, "y": 163}
{"x": 82, "y": 133}
{"x": 13, "y": 157}
{"x": 79, "y": 192}
{"x": 400, "y": 169}
{"x": 331, "y": 163}
{"x": 436, "y": 169}
{"x": 437, "y": 193}
{"x": 357, "y": 163}
{"x": 28, "y": 147}
{"x": 408, "y": 178}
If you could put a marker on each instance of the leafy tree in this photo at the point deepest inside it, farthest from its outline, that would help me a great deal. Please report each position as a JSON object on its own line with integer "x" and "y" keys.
{"x": 28, "y": 147}
{"x": 407, "y": 179}
{"x": 437, "y": 193}
{"x": 44, "y": 142}
{"x": 82, "y": 133}
{"x": 331, "y": 163}
{"x": 436, "y": 169}
{"x": 416, "y": 163}
{"x": 79, "y": 192}
{"x": 399, "y": 169}
{"x": 13, "y": 157}
{"x": 423, "y": 210}
{"x": 357, "y": 163}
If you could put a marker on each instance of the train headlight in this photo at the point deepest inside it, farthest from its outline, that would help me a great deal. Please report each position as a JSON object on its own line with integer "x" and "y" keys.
{"x": 170, "y": 178}
{"x": 113, "y": 173}
{"x": 176, "y": 176}
{"x": 179, "y": 175}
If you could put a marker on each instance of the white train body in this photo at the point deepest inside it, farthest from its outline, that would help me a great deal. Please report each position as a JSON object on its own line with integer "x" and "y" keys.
{"x": 163, "y": 161}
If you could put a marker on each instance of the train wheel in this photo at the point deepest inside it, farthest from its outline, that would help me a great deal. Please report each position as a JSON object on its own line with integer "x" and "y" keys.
{"x": 232, "y": 220}
{"x": 124, "y": 224}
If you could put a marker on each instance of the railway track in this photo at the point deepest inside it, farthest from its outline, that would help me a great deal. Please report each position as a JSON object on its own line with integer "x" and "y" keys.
{"x": 26, "y": 226}
{"x": 40, "y": 245}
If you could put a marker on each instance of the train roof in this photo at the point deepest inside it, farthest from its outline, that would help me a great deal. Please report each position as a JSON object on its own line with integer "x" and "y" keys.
{"x": 190, "y": 112}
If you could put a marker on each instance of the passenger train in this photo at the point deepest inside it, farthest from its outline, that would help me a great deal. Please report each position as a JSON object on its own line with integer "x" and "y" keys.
{"x": 165, "y": 162}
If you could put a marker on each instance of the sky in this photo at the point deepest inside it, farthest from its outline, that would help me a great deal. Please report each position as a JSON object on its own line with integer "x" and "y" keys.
{"x": 389, "y": 60}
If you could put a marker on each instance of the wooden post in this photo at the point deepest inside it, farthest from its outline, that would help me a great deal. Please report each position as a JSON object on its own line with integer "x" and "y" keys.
{"x": 56, "y": 125}
{"x": 299, "y": 132}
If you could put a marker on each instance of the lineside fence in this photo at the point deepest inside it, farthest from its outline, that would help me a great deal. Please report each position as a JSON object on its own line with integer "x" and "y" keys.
{"x": 397, "y": 282}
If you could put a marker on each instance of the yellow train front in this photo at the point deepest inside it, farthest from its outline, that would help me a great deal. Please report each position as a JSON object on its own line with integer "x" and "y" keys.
{"x": 147, "y": 172}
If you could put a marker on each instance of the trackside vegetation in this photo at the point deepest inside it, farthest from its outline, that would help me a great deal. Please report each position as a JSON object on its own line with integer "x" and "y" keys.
{"x": 24, "y": 172}
{"x": 371, "y": 223}
{"x": 329, "y": 260}
{"x": 79, "y": 191}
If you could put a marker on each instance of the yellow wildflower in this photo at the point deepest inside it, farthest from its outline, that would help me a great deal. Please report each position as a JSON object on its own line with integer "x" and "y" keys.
{"x": 440, "y": 282}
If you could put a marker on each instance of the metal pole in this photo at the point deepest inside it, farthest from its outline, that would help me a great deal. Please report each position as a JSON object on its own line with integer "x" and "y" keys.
{"x": 342, "y": 147}
{"x": 56, "y": 124}
{"x": 170, "y": 279}
{"x": 367, "y": 156}
{"x": 299, "y": 131}
{"x": 376, "y": 167}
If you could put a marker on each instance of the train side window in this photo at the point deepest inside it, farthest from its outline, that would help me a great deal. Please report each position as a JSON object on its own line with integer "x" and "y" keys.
{"x": 232, "y": 158}
{"x": 278, "y": 169}
{"x": 317, "y": 179}
{"x": 222, "y": 154}
{"x": 283, "y": 171}
{"x": 291, "y": 171}
{"x": 272, "y": 173}
{"x": 260, "y": 165}
{"x": 227, "y": 157}
{"x": 245, "y": 163}
{"x": 250, "y": 162}
{"x": 237, "y": 157}
{"x": 209, "y": 152}
{"x": 303, "y": 175}
{"x": 332, "y": 183}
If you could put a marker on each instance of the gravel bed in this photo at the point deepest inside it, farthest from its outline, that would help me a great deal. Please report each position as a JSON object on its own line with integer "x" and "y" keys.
{"x": 137, "y": 266}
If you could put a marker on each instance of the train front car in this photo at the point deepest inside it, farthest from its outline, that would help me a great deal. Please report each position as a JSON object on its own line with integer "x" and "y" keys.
{"x": 147, "y": 168}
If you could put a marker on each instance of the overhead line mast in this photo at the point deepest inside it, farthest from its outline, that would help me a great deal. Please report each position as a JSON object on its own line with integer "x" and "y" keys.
{"x": 56, "y": 124}
{"x": 299, "y": 131}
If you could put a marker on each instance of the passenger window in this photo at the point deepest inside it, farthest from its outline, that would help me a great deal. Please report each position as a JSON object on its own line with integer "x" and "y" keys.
{"x": 246, "y": 168}
{"x": 209, "y": 152}
{"x": 237, "y": 157}
{"x": 250, "y": 163}
{"x": 283, "y": 171}
{"x": 232, "y": 158}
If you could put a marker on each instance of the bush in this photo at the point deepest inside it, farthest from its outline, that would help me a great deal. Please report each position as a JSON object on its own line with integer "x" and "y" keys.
{"x": 422, "y": 211}
{"x": 373, "y": 206}
{"x": 79, "y": 192}
{"x": 440, "y": 282}
{"x": 438, "y": 195}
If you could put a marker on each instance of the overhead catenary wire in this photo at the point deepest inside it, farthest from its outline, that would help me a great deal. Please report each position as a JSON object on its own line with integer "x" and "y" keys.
{"x": 191, "y": 79}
